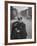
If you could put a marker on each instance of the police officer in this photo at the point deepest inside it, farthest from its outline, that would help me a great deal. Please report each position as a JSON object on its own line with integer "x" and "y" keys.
{"x": 18, "y": 30}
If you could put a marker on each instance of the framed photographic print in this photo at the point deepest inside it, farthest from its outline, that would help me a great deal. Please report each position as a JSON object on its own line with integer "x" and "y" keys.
{"x": 20, "y": 22}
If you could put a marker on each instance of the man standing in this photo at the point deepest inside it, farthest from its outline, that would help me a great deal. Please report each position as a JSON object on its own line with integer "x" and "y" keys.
{"x": 19, "y": 30}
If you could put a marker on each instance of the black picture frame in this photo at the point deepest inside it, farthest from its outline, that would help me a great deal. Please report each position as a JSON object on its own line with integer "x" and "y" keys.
{"x": 6, "y": 22}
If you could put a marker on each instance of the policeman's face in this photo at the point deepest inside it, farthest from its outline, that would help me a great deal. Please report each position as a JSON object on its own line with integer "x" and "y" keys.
{"x": 20, "y": 19}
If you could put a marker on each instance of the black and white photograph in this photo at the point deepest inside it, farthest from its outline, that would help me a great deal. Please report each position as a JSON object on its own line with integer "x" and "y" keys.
{"x": 21, "y": 23}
